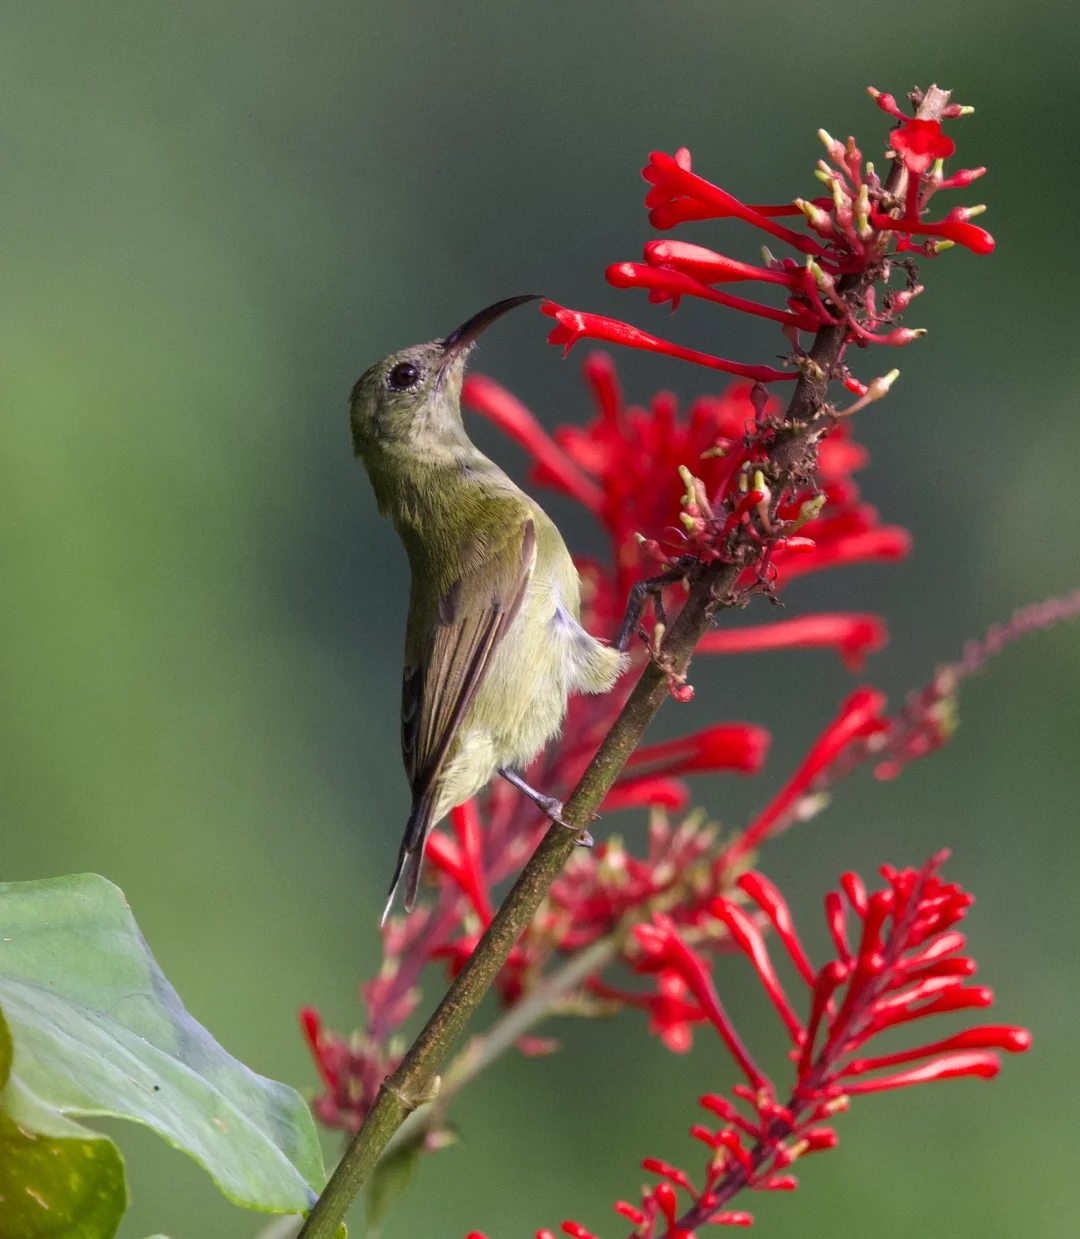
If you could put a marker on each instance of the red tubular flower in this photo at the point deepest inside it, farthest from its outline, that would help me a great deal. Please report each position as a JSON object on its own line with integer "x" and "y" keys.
{"x": 745, "y": 934}
{"x": 462, "y": 861}
{"x": 311, "y": 1023}
{"x": 972, "y": 237}
{"x": 663, "y": 948}
{"x": 649, "y": 776}
{"x": 919, "y": 143}
{"x": 903, "y": 925}
{"x": 671, "y": 1015}
{"x": 740, "y": 747}
{"x": 647, "y": 792}
{"x": 575, "y": 325}
{"x": 712, "y": 268}
{"x": 853, "y": 636}
{"x": 665, "y": 284}
{"x": 673, "y": 180}
{"x": 888, "y": 544}
{"x": 976, "y": 1063}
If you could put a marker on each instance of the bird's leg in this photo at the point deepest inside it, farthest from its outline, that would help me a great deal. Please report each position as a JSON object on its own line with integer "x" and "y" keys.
{"x": 640, "y": 594}
{"x": 550, "y": 807}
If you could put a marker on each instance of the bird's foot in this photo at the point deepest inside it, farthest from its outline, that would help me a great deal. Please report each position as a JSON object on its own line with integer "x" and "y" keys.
{"x": 549, "y": 806}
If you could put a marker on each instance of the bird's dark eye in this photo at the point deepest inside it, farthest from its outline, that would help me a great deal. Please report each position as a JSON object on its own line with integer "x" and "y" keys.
{"x": 403, "y": 376}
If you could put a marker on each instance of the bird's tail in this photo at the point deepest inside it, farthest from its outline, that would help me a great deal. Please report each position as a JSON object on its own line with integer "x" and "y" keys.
{"x": 411, "y": 857}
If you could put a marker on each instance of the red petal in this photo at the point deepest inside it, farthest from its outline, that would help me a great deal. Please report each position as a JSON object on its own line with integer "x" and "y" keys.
{"x": 886, "y": 544}
{"x": 998, "y": 1037}
{"x": 667, "y": 284}
{"x": 574, "y": 325}
{"x": 976, "y": 239}
{"x": 853, "y": 635}
{"x": 979, "y": 1063}
{"x": 746, "y": 934}
{"x": 708, "y": 266}
{"x": 741, "y": 747}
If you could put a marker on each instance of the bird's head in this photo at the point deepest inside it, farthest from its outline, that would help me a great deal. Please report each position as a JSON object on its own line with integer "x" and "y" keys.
{"x": 414, "y": 395}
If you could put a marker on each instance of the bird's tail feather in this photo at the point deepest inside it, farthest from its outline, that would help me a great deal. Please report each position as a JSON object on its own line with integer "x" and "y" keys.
{"x": 411, "y": 856}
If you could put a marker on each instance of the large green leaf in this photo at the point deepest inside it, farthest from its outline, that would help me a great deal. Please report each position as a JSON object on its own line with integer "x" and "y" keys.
{"x": 57, "y": 1180}
{"x": 98, "y": 1030}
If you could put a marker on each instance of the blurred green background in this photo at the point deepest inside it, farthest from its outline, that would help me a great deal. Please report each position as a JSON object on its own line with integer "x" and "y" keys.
{"x": 214, "y": 217}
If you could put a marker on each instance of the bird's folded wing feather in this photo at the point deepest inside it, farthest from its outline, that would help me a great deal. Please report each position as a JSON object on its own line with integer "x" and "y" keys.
{"x": 471, "y": 619}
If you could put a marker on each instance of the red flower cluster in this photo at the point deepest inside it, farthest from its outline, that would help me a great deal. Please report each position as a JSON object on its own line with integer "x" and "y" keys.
{"x": 855, "y": 233}
{"x": 624, "y": 467}
{"x": 904, "y": 964}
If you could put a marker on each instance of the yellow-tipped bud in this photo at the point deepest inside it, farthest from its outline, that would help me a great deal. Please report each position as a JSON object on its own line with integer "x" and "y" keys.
{"x": 877, "y": 388}
{"x": 816, "y": 217}
{"x": 809, "y": 510}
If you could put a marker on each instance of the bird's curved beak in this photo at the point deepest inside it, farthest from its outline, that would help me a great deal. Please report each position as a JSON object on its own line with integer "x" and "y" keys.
{"x": 461, "y": 340}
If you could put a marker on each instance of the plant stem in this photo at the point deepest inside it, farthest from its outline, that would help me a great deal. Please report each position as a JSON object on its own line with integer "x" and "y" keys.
{"x": 415, "y": 1081}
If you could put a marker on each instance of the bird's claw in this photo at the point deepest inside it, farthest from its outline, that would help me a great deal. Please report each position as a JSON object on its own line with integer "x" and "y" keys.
{"x": 553, "y": 809}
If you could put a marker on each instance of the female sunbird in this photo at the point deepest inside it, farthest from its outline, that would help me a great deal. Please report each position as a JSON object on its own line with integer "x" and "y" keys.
{"x": 493, "y": 643}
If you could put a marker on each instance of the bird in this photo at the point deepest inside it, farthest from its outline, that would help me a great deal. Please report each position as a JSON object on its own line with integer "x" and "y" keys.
{"x": 493, "y": 641}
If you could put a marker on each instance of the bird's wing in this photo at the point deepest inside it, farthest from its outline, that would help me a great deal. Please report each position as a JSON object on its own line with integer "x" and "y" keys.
{"x": 472, "y": 618}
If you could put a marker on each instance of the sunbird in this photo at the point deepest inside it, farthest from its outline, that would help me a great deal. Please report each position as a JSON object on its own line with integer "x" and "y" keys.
{"x": 493, "y": 641}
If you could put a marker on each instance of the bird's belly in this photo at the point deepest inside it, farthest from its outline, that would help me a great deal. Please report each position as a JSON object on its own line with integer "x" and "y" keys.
{"x": 521, "y": 704}
{"x": 544, "y": 657}
{"x": 521, "y": 701}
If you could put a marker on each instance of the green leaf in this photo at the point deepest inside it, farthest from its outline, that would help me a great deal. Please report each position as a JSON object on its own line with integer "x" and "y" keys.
{"x": 57, "y": 1180}
{"x": 98, "y": 1030}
